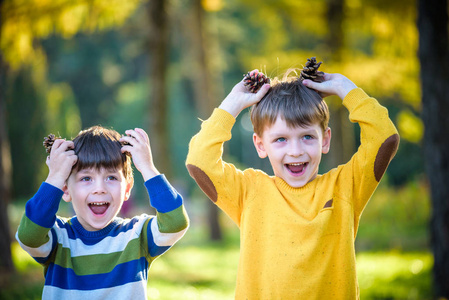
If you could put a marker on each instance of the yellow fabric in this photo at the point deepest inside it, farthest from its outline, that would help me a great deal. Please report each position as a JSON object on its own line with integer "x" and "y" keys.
{"x": 296, "y": 243}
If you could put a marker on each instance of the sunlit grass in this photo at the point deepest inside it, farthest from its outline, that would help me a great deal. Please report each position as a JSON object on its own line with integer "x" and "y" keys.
{"x": 195, "y": 272}
{"x": 395, "y": 275}
{"x": 208, "y": 271}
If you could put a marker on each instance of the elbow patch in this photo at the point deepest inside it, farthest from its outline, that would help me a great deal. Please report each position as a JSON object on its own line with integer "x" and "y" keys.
{"x": 385, "y": 154}
{"x": 203, "y": 182}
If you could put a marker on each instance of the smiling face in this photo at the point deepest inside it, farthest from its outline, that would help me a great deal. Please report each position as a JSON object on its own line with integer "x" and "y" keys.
{"x": 97, "y": 195}
{"x": 294, "y": 152}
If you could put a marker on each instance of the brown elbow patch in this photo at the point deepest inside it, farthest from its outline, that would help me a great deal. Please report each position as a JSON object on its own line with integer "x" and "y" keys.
{"x": 203, "y": 182}
{"x": 328, "y": 203}
{"x": 385, "y": 154}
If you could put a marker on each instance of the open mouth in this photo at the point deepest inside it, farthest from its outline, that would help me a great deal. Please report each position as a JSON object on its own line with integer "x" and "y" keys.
{"x": 99, "y": 208}
{"x": 296, "y": 168}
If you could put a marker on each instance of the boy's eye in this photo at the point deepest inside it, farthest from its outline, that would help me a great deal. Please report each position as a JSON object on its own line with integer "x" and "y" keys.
{"x": 111, "y": 177}
{"x": 85, "y": 178}
{"x": 280, "y": 140}
{"x": 308, "y": 137}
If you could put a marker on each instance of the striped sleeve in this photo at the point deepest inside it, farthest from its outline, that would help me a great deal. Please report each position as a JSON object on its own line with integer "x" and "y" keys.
{"x": 34, "y": 234}
{"x": 171, "y": 221}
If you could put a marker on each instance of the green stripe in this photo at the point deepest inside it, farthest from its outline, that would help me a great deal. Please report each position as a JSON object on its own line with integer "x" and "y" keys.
{"x": 173, "y": 221}
{"x": 31, "y": 234}
{"x": 98, "y": 263}
{"x": 104, "y": 263}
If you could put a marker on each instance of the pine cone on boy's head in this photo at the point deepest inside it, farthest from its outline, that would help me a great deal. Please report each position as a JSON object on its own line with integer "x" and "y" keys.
{"x": 48, "y": 142}
{"x": 254, "y": 80}
{"x": 310, "y": 71}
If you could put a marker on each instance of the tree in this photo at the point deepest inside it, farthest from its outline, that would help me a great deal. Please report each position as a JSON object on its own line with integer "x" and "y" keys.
{"x": 203, "y": 88}
{"x": 434, "y": 59}
{"x": 6, "y": 265}
{"x": 158, "y": 49}
{"x": 342, "y": 130}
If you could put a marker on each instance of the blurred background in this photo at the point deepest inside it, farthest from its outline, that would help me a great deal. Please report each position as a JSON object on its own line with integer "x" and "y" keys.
{"x": 163, "y": 66}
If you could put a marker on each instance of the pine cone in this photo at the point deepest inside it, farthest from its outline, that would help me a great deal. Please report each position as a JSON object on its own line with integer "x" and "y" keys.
{"x": 254, "y": 80}
{"x": 310, "y": 71}
{"x": 49, "y": 140}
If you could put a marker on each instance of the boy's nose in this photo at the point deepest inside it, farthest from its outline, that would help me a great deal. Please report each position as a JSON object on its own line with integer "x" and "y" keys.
{"x": 99, "y": 187}
{"x": 296, "y": 149}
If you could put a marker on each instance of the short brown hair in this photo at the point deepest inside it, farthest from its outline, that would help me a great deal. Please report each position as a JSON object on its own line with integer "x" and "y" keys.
{"x": 292, "y": 101}
{"x": 98, "y": 147}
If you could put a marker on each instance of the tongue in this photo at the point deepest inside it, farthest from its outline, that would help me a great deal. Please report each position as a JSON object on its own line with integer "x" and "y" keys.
{"x": 296, "y": 168}
{"x": 99, "y": 209}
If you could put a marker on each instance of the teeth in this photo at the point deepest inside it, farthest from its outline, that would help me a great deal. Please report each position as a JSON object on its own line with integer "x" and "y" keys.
{"x": 98, "y": 203}
{"x": 298, "y": 164}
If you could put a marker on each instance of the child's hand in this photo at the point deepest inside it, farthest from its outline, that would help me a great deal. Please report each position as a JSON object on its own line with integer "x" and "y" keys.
{"x": 60, "y": 162}
{"x": 333, "y": 84}
{"x": 240, "y": 98}
{"x": 140, "y": 150}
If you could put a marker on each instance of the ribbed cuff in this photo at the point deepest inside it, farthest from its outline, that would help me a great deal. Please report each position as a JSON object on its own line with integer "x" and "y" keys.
{"x": 42, "y": 208}
{"x": 163, "y": 197}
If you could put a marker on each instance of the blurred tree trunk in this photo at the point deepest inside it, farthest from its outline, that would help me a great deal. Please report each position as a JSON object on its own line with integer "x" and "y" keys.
{"x": 342, "y": 130}
{"x": 158, "y": 109}
{"x": 204, "y": 90}
{"x": 6, "y": 265}
{"x": 434, "y": 59}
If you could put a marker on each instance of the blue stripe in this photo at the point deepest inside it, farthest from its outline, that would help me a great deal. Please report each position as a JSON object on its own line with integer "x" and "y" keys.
{"x": 136, "y": 270}
{"x": 76, "y": 231}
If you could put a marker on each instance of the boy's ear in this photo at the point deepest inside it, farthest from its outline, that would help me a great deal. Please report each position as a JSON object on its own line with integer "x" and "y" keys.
{"x": 66, "y": 196}
{"x": 129, "y": 186}
{"x": 258, "y": 143}
{"x": 326, "y": 141}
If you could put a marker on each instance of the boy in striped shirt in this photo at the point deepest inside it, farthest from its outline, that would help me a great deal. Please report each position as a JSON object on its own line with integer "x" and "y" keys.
{"x": 96, "y": 254}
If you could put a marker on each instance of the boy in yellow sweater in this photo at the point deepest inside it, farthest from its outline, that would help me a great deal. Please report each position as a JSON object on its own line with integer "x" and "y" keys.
{"x": 297, "y": 228}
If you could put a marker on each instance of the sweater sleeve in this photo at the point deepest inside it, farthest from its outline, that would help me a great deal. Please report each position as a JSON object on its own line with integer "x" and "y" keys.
{"x": 379, "y": 141}
{"x": 171, "y": 221}
{"x": 222, "y": 182}
{"x": 34, "y": 234}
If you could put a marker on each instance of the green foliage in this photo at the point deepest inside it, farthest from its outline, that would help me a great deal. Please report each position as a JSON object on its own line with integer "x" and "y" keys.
{"x": 396, "y": 218}
{"x": 23, "y": 23}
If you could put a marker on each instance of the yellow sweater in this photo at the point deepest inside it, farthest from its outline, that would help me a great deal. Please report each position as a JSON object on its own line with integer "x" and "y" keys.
{"x": 296, "y": 243}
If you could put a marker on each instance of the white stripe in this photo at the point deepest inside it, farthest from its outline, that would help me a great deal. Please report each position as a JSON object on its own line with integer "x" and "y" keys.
{"x": 109, "y": 244}
{"x": 133, "y": 290}
{"x": 41, "y": 251}
{"x": 162, "y": 239}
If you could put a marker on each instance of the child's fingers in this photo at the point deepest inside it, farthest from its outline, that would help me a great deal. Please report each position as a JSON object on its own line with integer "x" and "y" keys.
{"x": 61, "y": 145}
{"x": 262, "y": 91}
{"x": 132, "y": 137}
{"x": 312, "y": 84}
{"x": 128, "y": 149}
{"x": 143, "y": 134}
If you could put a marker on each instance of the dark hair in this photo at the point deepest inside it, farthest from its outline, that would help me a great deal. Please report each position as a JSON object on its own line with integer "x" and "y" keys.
{"x": 98, "y": 147}
{"x": 292, "y": 101}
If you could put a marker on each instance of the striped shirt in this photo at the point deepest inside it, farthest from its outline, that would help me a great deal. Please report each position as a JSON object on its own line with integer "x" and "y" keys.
{"x": 112, "y": 262}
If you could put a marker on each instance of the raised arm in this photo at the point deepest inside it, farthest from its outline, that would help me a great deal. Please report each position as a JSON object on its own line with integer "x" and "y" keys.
{"x": 33, "y": 233}
{"x": 171, "y": 221}
{"x": 222, "y": 182}
{"x": 240, "y": 98}
{"x": 379, "y": 137}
